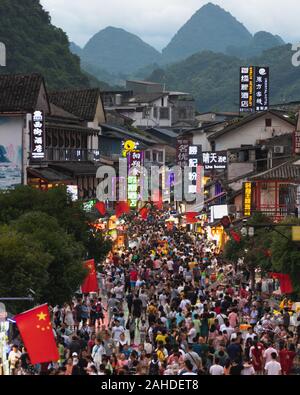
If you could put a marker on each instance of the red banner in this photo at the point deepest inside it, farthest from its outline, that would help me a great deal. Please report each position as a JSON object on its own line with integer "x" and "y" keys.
{"x": 90, "y": 283}
{"x": 37, "y": 334}
{"x": 191, "y": 218}
{"x": 144, "y": 212}
{"x": 285, "y": 281}
{"x": 100, "y": 206}
{"x": 122, "y": 208}
{"x": 236, "y": 237}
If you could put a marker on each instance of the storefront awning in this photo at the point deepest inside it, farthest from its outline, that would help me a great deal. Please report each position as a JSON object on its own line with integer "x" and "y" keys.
{"x": 48, "y": 174}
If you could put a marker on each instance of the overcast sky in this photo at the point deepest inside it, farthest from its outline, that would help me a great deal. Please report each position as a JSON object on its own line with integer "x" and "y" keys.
{"x": 156, "y": 21}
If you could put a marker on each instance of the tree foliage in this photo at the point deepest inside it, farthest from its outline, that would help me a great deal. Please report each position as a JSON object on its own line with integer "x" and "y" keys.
{"x": 286, "y": 253}
{"x": 34, "y": 45}
{"x": 44, "y": 239}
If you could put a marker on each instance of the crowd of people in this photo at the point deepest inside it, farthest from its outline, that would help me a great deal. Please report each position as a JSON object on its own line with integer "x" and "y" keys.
{"x": 169, "y": 305}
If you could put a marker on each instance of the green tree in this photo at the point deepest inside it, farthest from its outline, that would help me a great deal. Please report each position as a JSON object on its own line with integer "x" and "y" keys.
{"x": 286, "y": 253}
{"x": 24, "y": 264}
{"x": 57, "y": 204}
{"x": 65, "y": 271}
{"x": 254, "y": 250}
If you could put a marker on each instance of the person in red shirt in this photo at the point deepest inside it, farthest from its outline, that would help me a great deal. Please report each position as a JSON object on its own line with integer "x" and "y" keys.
{"x": 133, "y": 277}
{"x": 243, "y": 292}
{"x": 256, "y": 353}
{"x": 287, "y": 358}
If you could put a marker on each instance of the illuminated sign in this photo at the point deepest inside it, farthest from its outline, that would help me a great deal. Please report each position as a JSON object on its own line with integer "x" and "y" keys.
{"x": 183, "y": 152}
{"x": 246, "y": 89}
{"x": 135, "y": 162}
{"x": 88, "y": 206}
{"x": 73, "y": 191}
{"x": 38, "y": 135}
{"x": 254, "y": 89}
{"x": 194, "y": 164}
{"x": 129, "y": 146}
{"x": 214, "y": 160}
{"x": 247, "y": 199}
{"x": 261, "y": 88}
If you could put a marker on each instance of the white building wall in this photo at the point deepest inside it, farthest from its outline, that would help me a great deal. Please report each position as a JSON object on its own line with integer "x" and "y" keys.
{"x": 252, "y": 132}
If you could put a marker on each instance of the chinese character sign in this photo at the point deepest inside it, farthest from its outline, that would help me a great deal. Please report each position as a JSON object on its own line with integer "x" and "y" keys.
{"x": 297, "y": 142}
{"x": 38, "y": 135}
{"x": 183, "y": 152}
{"x": 194, "y": 162}
{"x": 246, "y": 88}
{"x": 254, "y": 89}
{"x": 261, "y": 88}
{"x": 247, "y": 199}
{"x": 214, "y": 160}
{"x": 135, "y": 162}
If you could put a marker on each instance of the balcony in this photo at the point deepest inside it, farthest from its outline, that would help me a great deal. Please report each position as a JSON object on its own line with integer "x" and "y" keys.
{"x": 72, "y": 155}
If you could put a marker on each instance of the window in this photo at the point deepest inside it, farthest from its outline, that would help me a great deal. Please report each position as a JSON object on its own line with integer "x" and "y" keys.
{"x": 146, "y": 112}
{"x": 213, "y": 146}
{"x": 154, "y": 156}
{"x": 268, "y": 123}
{"x": 155, "y": 112}
{"x": 148, "y": 155}
{"x": 160, "y": 156}
{"x": 182, "y": 113}
{"x": 164, "y": 113}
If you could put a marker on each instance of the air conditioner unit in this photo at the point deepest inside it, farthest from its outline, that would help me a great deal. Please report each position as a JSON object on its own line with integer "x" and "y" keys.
{"x": 279, "y": 149}
{"x": 233, "y": 158}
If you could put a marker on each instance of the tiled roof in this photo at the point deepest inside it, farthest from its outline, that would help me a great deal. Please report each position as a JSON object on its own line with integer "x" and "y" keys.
{"x": 284, "y": 172}
{"x": 82, "y": 103}
{"x": 48, "y": 174}
{"x": 19, "y": 92}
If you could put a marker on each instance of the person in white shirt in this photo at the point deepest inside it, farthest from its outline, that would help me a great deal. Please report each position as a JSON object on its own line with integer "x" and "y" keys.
{"x": 116, "y": 331}
{"x": 216, "y": 369}
{"x": 273, "y": 368}
{"x": 268, "y": 353}
{"x": 192, "y": 334}
{"x": 248, "y": 369}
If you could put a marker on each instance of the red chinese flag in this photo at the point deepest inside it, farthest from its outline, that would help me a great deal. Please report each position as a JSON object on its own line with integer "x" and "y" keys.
{"x": 236, "y": 237}
{"x": 144, "y": 213}
{"x": 191, "y": 218}
{"x": 122, "y": 208}
{"x": 37, "y": 334}
{"x": 286, "y": 285}
{"x": 90, "y": 283}
{"x": 100, "y": 206}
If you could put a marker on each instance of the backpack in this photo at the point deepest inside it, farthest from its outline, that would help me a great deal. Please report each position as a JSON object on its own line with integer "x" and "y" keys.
{"x": 154, "y": 368}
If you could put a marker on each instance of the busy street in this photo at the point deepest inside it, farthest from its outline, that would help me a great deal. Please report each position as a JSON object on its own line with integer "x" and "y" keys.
{"x": 169, "y": 304}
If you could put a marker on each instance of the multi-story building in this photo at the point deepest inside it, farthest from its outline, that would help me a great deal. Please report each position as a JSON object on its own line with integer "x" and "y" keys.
{"x": 148, "y": 105}
{"x": 48, "y": 140}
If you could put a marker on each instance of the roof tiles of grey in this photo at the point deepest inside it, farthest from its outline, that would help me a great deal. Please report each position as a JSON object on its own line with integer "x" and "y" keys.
{"x": 61, "y": 113}
{"x": 142, "y": 136}
{"x": 167, "y": 132}
{"x": 19, "y": 92}
{"x": 248, "y": 119}
{"x": 285, "y": 172}
{"x": 82, "y": 103}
